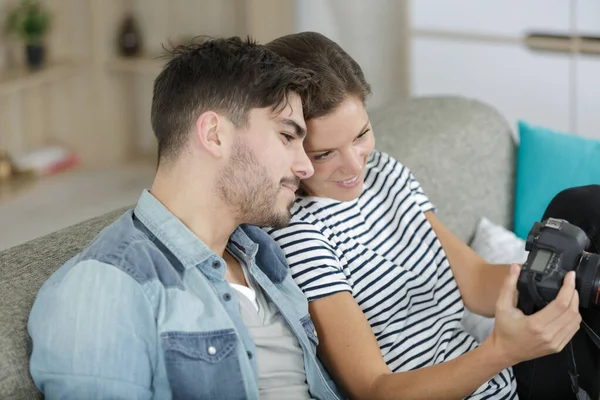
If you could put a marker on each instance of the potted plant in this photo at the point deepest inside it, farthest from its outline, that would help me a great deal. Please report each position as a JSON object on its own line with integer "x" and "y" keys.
{"x": 31, "y": 22}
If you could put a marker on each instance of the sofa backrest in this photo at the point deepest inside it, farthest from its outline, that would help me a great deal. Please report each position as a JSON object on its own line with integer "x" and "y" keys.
{"x": 460, "y": 150}
{"x": 23, "y": 269}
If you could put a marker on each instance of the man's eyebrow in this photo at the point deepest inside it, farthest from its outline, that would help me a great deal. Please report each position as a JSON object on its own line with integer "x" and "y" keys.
{"x": 299, "y": 131}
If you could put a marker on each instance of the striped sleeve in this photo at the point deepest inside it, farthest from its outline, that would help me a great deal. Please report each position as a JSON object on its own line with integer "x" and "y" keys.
{"x": 419, "y": 195}
{"x": 314, "y": 263}
{"x": 389, "y": 167}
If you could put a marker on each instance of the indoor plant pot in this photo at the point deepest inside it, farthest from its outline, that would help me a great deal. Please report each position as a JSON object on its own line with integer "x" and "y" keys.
{"x": 31, "y": 22}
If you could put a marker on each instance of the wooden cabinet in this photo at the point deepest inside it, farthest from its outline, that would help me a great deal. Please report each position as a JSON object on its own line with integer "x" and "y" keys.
{"x": 96, "y": 103}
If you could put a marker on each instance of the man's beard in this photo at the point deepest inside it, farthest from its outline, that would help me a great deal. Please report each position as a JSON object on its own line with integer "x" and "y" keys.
{"x": 246, "y": 186}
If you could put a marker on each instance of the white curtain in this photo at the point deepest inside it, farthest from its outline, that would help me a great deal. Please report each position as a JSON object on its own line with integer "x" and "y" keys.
{"x": 372, "y": 32}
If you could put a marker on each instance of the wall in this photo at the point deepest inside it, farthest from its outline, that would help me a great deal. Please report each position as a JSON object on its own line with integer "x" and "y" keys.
{"x": 484, "y": 50}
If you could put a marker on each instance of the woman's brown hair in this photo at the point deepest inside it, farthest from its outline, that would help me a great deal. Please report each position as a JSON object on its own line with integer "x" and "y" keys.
{"x": 337, "y": 75}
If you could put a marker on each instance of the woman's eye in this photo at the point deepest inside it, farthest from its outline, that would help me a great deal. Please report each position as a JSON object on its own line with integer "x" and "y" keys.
{"x": 362, "y": 134}
{"x": 322, "y": 156}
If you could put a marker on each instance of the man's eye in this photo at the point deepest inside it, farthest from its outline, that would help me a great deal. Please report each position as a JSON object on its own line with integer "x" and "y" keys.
{"x": 287, "y": 137}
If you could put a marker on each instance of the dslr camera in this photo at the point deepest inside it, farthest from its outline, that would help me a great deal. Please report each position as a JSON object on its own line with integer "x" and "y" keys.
{"x": 556, "y": 247}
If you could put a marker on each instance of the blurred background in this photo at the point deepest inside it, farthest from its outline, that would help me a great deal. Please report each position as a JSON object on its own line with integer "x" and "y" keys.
{"x": 76, "y": 79}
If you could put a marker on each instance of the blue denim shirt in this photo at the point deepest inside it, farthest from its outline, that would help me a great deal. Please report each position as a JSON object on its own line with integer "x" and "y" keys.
{"x": 145, "y": 312}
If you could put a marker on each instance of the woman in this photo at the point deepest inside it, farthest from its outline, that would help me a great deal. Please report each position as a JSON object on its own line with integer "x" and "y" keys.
{"x": 386, "y": 281}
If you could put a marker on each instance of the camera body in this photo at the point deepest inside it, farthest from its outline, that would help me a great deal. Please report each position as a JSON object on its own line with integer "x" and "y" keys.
{"x": 556, "y": 247}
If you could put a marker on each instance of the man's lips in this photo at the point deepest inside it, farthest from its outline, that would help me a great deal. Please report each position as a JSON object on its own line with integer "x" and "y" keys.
{"x": 292, "y": 187}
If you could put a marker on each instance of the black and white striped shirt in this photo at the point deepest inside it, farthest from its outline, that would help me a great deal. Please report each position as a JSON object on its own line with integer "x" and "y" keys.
{"x": 381, "y": 248}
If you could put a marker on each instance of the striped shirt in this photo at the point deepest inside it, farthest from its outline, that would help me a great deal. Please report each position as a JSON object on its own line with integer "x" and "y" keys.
{"x": 381, "y": 248}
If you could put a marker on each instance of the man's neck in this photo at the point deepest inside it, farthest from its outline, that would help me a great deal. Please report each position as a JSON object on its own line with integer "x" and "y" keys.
{"x": 196, "y": 206}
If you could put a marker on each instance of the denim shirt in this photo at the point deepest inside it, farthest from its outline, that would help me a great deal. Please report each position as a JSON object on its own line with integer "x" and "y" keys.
{"x": 145, "y": 312}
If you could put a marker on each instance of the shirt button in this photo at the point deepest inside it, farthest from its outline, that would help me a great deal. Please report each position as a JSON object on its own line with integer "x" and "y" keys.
{"x": 216, "y": 264}
{"x": 212, "y": 350}
{"x": 249, "y": 355}
{"x": 226, "y": 297}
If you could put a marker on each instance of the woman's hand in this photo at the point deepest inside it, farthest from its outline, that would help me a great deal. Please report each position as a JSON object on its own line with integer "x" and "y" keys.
{"x": 520, "y": 337}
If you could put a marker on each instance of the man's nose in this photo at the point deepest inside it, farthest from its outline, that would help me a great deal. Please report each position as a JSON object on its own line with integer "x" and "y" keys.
{"x": 302, "y": 167}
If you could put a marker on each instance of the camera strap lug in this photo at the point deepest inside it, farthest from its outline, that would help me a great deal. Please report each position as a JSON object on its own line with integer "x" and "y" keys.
{"x": 580, "y": 394}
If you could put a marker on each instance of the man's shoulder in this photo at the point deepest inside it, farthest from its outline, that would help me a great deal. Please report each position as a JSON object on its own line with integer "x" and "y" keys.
{"x": 127, "y": 246}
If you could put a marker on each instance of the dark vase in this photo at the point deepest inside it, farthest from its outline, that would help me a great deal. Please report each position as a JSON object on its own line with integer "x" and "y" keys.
{"x": 36, "y": 55}
{"x": 129, "y": 38}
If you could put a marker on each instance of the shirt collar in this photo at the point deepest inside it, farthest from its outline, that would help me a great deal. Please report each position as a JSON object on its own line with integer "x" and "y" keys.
{"x": 173, "y": 233}
{"x": 249, "y": 242}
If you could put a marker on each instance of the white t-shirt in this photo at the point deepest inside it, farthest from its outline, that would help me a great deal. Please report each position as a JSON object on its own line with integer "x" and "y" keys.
{"x": 381, "y": 248}
{"x": 279, "y": 357}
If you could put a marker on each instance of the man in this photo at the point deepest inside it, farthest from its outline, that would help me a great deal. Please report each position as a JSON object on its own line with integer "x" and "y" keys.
{"x": 179, "y": 298}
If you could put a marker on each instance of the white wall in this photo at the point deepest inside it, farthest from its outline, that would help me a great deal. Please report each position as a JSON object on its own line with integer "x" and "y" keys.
{"x": 493, "y": 17}
{"x": 476, "y": 49}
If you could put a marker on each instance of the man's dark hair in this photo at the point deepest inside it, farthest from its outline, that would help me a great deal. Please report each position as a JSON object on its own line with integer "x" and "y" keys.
{"x": 230, "y": 76}
{"x": 337, "y": 74}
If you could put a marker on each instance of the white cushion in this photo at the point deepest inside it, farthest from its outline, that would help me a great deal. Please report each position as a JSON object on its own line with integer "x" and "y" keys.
{"x": 496, "y": 245}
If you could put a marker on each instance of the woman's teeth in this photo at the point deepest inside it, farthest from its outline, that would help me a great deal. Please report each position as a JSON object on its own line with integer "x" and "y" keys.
{"x": 349, "y": 181}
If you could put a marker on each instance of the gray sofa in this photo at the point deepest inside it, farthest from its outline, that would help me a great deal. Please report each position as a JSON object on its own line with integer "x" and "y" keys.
{"x": 461, "y": 151}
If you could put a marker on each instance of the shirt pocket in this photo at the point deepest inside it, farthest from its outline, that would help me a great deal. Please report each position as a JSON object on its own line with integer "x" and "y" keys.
{"x": 203, "y": 365}
{"x": 311, "y": 332}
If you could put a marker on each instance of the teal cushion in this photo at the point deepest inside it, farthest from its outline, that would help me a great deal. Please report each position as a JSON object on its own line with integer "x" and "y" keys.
{"x": 548, "y": 162}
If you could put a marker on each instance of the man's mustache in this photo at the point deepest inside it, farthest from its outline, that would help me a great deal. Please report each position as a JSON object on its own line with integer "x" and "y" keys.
{"x": 295, "y": 181}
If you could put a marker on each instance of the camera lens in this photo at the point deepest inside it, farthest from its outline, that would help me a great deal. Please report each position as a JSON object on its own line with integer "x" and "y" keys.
{"x": 588, "y": 276}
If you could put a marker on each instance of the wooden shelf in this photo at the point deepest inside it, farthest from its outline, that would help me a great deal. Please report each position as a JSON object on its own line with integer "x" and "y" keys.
{"x": 21, "y": 185}
{"x": 16, "y": 79}
{"x": 589, "y": 45}
{"x": 141, "y": 64}
{"x": 463, "y": 36}
{"x": 564, "y": 44}
{"x": 43, "y": 205}
{"x": 15, "y": 186}
{"x": 539, "y": 41}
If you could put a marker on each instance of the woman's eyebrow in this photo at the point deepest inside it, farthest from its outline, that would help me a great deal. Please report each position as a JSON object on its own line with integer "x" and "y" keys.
{"x": 362, "y": 130}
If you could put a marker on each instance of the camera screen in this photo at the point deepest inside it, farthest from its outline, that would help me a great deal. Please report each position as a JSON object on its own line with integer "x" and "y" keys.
{"x": 541, "y": 260}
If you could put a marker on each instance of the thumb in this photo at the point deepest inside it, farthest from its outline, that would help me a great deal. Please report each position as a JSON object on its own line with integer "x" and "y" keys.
{"x": 508, "y": 295}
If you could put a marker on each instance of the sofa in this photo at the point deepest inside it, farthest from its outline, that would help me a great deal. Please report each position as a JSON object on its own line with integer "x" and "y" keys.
{"x": 461, "y": 150}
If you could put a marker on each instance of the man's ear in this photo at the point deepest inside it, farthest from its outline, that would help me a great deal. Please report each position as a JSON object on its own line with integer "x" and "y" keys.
{"x": 208, "y": 130}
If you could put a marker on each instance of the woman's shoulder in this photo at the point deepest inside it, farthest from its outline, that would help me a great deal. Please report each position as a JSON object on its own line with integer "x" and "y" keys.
{"x": 383, "y": 161}
{"x": 306, "y": 225}
{"x": 302, "y": 224}
{"x": 381, "y": 165}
